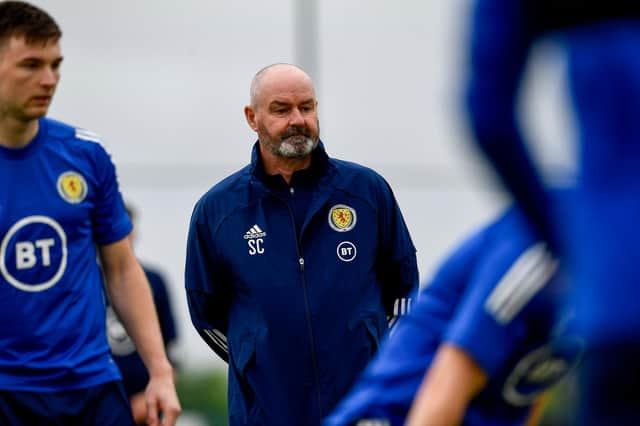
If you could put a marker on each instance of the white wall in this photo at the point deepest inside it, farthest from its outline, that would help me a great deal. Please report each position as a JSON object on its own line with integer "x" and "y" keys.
{"x": 165, "y": 82}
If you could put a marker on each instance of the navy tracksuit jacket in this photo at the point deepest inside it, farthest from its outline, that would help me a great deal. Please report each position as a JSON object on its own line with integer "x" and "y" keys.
{"x": 294, "y": 284}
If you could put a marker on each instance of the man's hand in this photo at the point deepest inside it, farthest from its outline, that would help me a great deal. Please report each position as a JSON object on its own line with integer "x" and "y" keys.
{"x": 131, "y": 298}
{"x": 138, "y": 408}
{"x": 163, "y": 406}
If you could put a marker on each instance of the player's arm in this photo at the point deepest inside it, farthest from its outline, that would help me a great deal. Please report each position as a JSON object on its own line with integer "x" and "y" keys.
{"x": 166, "y": 317}
{"x": 130, "y": 295}
{"x": 500, "y": 42}
{"x": 452, "y": 381}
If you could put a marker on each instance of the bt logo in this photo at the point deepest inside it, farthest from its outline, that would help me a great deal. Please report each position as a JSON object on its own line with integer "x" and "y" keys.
{"x": 26, "y": 253}
{"x": 33, "y": 254}
{"x": 346, "y": 251}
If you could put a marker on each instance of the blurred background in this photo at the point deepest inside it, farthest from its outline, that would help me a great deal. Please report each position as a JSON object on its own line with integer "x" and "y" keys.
{"x": 164, "y": 83}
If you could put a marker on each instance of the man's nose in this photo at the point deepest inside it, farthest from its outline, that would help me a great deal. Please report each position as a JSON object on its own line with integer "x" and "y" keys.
{"x": 49, "y": 77}
{"x": 296, "y": 118}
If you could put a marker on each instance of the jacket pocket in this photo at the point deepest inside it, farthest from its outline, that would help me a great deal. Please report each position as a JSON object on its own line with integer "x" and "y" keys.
{"x": 246, "y": 352}
{"x": 365, "y": 329}
{"x": 242, "y": 401}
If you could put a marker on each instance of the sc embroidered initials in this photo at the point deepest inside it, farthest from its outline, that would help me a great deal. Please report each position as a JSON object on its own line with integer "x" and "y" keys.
{"x": 255, "y": 240}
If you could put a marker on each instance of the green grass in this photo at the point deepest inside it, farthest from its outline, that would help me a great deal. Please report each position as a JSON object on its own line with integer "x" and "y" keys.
{"x": 204, "y": 392}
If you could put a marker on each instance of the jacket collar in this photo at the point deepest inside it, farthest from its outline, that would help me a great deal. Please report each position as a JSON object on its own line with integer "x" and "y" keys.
{"x": 319, "y": 163}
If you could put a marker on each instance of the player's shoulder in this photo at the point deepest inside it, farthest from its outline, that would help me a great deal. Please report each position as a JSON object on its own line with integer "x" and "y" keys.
{"x": 506, "y": 235}
{"x": 513, "y": 227}
{"x": 73, "y": 136}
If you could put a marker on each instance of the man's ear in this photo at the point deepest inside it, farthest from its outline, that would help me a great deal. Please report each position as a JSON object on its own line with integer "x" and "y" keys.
{"x": 250, "y": 115}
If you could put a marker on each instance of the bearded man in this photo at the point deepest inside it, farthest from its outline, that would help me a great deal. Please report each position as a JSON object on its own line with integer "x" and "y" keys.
{"x": 295, "y": 263}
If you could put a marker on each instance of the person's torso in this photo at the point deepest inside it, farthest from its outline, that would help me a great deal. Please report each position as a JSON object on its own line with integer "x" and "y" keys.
{"x": 51, "y": 308}
{"x": 307, "y": 312}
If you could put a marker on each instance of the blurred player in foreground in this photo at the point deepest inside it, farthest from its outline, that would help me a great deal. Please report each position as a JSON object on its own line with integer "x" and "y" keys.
{"x": 59, "y": 198}
{"x": 600, "y": 246}
{"x": 484, "y": 330}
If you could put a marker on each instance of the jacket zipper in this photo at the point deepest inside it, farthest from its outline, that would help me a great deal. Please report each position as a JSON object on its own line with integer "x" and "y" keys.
{"x": 307, "y": 309}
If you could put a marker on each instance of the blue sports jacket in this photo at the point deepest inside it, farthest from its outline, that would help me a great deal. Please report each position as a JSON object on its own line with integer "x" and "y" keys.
{"x": 297, "y": 311}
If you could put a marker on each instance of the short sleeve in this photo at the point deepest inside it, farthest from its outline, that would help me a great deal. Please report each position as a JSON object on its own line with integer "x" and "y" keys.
{"x": 489, "y": 323}
{"x": 110, "y": 220}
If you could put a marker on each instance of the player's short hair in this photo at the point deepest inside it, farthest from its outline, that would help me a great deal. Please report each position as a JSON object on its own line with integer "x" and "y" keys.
{"x": 20, "y": 19}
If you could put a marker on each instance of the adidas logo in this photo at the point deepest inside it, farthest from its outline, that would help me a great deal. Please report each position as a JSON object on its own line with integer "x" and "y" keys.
{"x": 254, "y": 232}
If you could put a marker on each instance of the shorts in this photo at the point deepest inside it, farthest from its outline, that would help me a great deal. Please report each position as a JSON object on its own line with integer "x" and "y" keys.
{"x": 102, "y": 405}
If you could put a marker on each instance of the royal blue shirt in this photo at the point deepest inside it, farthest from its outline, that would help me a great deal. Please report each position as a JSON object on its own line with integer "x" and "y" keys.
{"x": 602, "y": 43}
{"x": 59, "y": 197}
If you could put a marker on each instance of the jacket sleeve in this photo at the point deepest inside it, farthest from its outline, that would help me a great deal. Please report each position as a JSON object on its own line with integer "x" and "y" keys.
{"x": 207, "y": 296}
{"x": 397, "y": 265}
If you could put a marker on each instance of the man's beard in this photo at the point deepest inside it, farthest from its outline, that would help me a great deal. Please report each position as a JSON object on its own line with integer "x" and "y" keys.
{"x": 295, "y": 142}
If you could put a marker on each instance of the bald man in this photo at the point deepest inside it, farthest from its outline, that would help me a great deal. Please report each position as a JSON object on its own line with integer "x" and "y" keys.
{"x": 295, "y": 263}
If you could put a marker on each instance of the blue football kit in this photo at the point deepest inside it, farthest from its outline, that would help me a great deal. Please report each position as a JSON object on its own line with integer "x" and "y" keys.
{"x": 600, "y": 244}
{"x": 602, "y": 42}
{"x": 101, "y": 405}
{"x": 495, "y": 297}
{"x": 58, "y": 199}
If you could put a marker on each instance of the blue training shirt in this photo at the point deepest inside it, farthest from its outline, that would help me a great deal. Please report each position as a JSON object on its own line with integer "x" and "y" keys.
{"x": 59, "y": 197}
{"x": 602, "y": 43}
{"x": 495, "y": 297}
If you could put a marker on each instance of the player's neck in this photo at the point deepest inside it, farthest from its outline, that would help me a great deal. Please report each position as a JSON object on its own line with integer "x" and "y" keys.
{"x": 16, "y": 133}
